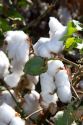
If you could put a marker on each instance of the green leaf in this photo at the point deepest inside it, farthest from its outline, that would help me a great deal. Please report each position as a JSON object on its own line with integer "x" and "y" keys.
{"x": 4, "y": 26}
{"x": 69, "y": 42}
{"x": 67, "y": 118}
{"x": 35, "y": 66}
{"x": 71, "y": 28}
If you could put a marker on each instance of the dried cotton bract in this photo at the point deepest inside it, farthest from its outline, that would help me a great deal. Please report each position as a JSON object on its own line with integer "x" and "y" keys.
{"x": 4, "y": 64}
{"x": 18, "y": 51}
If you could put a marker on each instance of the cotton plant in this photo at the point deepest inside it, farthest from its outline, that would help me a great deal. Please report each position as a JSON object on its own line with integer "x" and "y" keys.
{"x": 4, "y": 65}
{"x": 18, "y": 46}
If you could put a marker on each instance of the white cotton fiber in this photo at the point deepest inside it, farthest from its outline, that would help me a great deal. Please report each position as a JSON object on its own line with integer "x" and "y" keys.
{"x": 48, "y": 98}
{"x": 6, "y": 113}
{"x": 43, "y": 51}
{"x": 31, "y": 103}
{"x": 61, "y": 79}
{"x": 4, "y": 64}
{"x": 5, "y": 97}
{"x": 47, "y": 83}
{"x": 54, "y": 66}
{"x": 12, "y": 79}
{"x": 17, "y": 121}
{"x": 41, "y": 41}
{"x": 64, "y": 94}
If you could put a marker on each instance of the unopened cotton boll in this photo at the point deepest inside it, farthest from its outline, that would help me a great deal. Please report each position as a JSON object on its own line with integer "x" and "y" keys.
{"x": 64, "y": 94}
{"x": 81, "y": 84}
{"x": 48, "y": 98}
{"x": 17, "y": 121}
{"x": 47, "y": 83}
{"x": 12, "y": 80}
{"x": 6, "y": 113}
{"x": 5, "y": 97}
{"x": 54, "y": 66}
{"x": 31, "y": 102}
{"x": 61, "y": 79}
{"x": 4, "y": 64}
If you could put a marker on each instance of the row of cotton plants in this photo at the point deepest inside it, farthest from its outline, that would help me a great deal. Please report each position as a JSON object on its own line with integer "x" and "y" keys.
{"x": 55, "y": 82}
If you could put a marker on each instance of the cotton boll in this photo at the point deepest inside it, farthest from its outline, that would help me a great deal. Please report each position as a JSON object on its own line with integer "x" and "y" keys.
{"x": 48, "y": 98}
{"x": 31, "y": 102}
{"x": 61, "y": 79}
{"x": 47, "y": 83}
{"x": 81, "y": 84}
{"x": 54, "y": 66}
{"x": 6, "y": 113}
{"x": 55, "y": 46}
{"x": 41, "y": 41}
{"x": 43, "y": 51}
{"x": 64, "y": 94}
{"x": 17, "y": 121}
{"x": 54, "y": 24}
{"x": 5, "y": 97}
{"x": 4, "y": 64}
{"x": 12, "y": 80}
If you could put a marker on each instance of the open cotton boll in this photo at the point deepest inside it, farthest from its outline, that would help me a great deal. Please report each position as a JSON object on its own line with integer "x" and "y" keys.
{"x": 18, "y": 41}
{"x": 31, "y": 103}
{"x": 17, "y": 121}
{"x": 54, "y": 24}
{"x": 4, "y": 64}
{"x": 74, "y": 123}
{"x": 12, "y": 80}
{"x": 61, "y": 79}
{"x": 41, "y": 41}
{"x": 55, "y": 46}
{"x": 48, "y": 98}
{"x": 47, "y": 83}
{"x": 64, "y": 94}
{"x": 56, "y": 28}
{"x": 43, "y": 51}
{"x": 54, "y": 66}
{"x": 6, "y": 113}
{"x": 5, "y": 97}
{"x": 81, "y": 84}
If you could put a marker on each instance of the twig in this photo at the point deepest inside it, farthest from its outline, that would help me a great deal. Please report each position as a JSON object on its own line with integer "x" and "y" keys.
{"x": 49, "y": 122}
{"x": 27, "y": 117}
{"x": 75, "y": 92}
